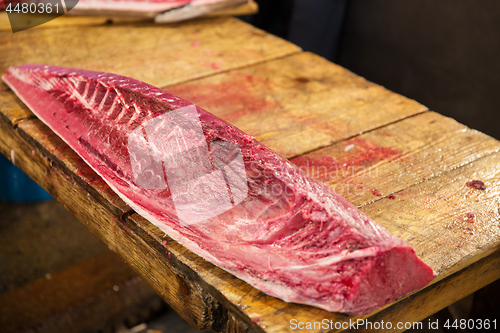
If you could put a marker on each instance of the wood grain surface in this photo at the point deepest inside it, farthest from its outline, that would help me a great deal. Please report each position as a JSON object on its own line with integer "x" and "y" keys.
{"x": 299, "y": 103}
{"x": 157, "y": 54}
{"x": 384, "y": 161}
{"x": 406, "y": 167}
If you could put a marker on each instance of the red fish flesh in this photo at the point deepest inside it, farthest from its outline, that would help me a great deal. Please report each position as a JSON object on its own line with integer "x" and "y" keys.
{"x": 222, "y": 194}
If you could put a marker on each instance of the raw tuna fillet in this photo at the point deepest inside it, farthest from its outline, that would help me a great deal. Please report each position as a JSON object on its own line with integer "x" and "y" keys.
{"x": 222, "y": 194}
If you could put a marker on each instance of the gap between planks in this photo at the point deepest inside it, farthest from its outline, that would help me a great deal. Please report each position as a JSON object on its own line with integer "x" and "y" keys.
{"x": 427, "y": 179}
{"x": 298, "y": 103}
{"x": 360, "y": 133}
{"x": 283, "y": 56}
{"x": 430, "y": 178}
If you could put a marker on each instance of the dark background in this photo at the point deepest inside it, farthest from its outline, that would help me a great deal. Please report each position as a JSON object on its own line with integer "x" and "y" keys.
{"x": 444, "y": 54}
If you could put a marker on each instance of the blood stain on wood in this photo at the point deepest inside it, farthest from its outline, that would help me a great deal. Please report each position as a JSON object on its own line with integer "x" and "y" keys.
{"x": 230, "y": 99}
{"x": 359, "y": 158}
{"x": 476, "y": 184}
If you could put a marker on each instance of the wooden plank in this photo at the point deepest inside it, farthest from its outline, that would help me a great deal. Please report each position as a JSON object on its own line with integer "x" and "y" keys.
{"x": 298, "y": 103}
{"x": 12, "y": 109}
{"x": 377, "y": 164}
{"x": 157, "y": 54}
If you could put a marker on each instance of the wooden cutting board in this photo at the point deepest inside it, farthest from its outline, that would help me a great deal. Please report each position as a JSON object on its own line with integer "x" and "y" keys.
{"x": 403, "y": 165}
